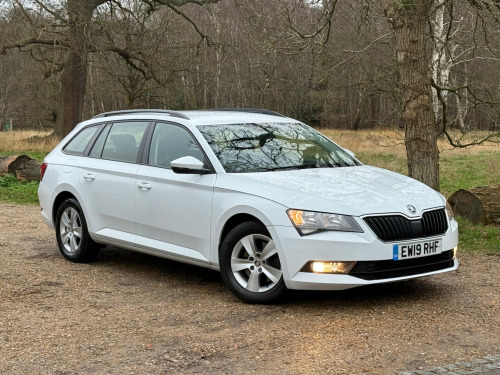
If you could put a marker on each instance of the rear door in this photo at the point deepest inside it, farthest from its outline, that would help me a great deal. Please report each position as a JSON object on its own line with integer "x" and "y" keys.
{"x": 173, "y": 210}
{"x": 107, "y": 179}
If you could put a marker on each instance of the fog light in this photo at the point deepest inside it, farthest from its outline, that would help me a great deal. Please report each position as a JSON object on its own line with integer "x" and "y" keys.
{"x": 455, "y": 249}
{"x": 331, "y": 267}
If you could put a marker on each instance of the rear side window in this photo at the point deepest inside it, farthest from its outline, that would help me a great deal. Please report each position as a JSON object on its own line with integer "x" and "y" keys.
{"x": 78, "y": 144}
{"x": 123, "y": 141}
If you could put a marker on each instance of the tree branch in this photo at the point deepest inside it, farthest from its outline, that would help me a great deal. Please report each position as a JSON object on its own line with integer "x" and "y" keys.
{"x": 492, "y": 137}
{"x": 28, "y": 41}
{"x": 203, "y": 36}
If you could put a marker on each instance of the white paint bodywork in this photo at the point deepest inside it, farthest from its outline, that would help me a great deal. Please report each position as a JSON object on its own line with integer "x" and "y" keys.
{"x": 182, "y": 216}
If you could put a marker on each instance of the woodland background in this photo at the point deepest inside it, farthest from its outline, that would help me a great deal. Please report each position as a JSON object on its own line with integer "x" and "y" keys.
{"x": 256, "y": 53}
{"x": 428, "y": 67}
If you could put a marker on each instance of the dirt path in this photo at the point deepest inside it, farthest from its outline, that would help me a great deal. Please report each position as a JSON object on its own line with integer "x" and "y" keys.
{"x": 130, "y": 313}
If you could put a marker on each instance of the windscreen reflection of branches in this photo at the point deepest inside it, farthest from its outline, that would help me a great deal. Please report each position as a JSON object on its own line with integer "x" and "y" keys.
{"x": 265, "y": 147}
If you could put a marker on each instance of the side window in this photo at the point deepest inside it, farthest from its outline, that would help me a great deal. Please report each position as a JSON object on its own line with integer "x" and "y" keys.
{"x": 78, "y": 144}
{"x": 122, "y": 143}
{"x": 171, "y": 142}
{"x": 99, "y": 143}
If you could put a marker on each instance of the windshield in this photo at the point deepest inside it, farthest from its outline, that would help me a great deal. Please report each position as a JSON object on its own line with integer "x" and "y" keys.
{"x": 243, "y": 148}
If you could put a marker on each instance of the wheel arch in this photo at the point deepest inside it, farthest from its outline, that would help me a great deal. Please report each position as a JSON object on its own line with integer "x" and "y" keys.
{"x": 233, "y": 222}
{"x": 60, "y": 198}
{"x": 224, "y": 222}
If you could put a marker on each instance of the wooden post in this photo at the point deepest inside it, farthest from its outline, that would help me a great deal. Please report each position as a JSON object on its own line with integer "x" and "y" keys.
{"x": 10, "y": 124}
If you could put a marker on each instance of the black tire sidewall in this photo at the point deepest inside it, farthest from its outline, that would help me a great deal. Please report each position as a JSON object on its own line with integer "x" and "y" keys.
{"x": 87, "y": 250}
{"x": 235, "y": 235}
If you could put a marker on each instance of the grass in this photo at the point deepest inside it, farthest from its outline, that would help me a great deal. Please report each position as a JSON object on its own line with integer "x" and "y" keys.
{"x": 37, "y": 155}
{"x": 11, "y": 190}
{"x": 460, "y": 169}
{"x": 34, "y": 143}
{"x": 478, "y": 238}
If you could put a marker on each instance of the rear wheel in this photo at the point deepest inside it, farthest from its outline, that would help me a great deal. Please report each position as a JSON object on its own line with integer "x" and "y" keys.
{"x": 250, "y": 264}
{"x": 72, "y": 235}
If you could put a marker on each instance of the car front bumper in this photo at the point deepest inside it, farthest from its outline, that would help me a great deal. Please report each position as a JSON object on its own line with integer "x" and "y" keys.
{"x": 364, "y": 248}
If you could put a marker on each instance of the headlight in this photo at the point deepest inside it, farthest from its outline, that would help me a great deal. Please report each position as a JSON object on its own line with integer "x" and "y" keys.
{"x": 449, "y": 211}
{"x": 308, "y": 222}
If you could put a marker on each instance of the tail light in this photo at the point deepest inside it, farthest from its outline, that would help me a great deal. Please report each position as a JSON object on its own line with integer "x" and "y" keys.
{"x": 43, "y": 168}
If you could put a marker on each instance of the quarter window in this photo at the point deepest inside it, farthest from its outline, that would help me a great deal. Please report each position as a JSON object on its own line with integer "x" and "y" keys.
{"x": 123, "y": 141}
{"x": 99, "y": 143}
{"x": 78, "y": 144}
{"x": 171, "y": 142}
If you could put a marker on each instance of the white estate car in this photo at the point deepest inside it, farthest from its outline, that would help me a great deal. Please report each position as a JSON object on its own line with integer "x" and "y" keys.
{"x": 265, "y": 199}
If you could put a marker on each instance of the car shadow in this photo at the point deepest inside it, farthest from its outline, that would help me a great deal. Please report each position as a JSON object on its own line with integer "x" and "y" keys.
{"x": 153, "y": 269}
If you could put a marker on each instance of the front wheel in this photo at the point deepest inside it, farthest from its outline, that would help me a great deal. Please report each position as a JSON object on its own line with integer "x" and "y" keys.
{"x": 250, "y": 265}
{"x": 72, "y": 235}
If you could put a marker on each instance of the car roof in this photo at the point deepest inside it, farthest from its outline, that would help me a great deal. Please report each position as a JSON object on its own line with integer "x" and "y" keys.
{"x": 206, "y": 117}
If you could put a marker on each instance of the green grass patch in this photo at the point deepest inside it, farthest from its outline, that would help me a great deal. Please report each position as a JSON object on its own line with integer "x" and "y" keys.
{"x": 13, "y": 191}
{"x": 387, "y": 161}
{"x": 478, "y": 238}
{"x": 37, "y": 155}
{"x": 468, "y": 171}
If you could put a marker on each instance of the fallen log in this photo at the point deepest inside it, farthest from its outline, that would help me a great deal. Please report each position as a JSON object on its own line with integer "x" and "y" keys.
{"x": 29, "y": 172}
{"x": 18, "y": 163}
{"x": 22, "y": 166}
{"x": 481, "y": 205}
{"x": 5, "y": 162}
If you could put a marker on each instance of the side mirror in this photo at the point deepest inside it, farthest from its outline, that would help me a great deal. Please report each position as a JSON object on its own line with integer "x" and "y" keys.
{"x": 188, "y": 165}
{"x": 349, "y": 152}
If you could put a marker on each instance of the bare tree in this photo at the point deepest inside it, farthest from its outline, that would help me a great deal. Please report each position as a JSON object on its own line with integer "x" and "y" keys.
{"x": 409, "y": 21}
{"x": 72, "y": 30}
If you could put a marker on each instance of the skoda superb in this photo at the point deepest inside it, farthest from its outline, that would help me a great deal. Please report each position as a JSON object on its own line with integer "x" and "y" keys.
{"x": 266, "y": 200}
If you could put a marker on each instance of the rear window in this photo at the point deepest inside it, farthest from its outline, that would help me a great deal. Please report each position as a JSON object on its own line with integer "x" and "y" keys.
{"x": 78, "y": 144}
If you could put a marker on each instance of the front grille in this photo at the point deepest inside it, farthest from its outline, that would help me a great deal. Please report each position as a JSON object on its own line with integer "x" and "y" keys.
{"x": 398, "y": 227}
{"x": 387, "y": 269}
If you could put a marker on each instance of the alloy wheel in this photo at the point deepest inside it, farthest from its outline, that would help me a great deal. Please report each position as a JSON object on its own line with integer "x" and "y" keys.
{"x": 255, "y": 263}
{"x": 70, "y": 230}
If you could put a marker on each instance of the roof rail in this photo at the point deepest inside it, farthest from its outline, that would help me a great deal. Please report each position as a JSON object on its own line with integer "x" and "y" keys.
{"x": 250, "y": 110}
{"x": 139, "y": 111}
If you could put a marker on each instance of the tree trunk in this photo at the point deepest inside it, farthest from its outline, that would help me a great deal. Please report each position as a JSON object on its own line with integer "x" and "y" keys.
{"x": 74, "y": 76}
{"x": 409, "y": 21}
{"x": 480, "y": 205}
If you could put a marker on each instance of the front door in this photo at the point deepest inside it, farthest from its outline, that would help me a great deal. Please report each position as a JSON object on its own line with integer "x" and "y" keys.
{"x": 173, "y": 210}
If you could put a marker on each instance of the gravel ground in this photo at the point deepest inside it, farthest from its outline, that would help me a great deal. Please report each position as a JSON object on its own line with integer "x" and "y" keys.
{"x": 488, "y": 365}
{"x": 129, "y": 313}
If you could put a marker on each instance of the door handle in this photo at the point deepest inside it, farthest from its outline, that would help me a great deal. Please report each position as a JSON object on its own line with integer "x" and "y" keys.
{"x": 89, "y": 176}
{"x": 144, "y": 185}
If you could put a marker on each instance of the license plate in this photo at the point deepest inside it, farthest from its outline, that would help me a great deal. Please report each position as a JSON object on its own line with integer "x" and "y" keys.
{"x": 416, "y": 249}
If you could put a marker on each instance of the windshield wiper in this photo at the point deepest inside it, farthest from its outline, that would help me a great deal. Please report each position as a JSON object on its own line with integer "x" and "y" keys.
{"x": 304, "y": 166}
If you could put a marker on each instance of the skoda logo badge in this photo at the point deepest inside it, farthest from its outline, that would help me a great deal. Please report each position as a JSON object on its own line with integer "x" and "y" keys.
{"x": 411, "y": 209}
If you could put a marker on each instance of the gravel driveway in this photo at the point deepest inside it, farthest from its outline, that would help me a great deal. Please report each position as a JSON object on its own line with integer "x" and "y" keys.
{"x": 129, "y": 313}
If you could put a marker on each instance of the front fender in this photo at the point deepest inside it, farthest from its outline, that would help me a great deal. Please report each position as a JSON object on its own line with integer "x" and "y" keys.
{"x": 227, "y": 204}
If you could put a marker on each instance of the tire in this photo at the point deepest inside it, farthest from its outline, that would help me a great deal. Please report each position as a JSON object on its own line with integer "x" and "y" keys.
{"x": 72, "y": 235}
{"x": 250, "y": 265}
